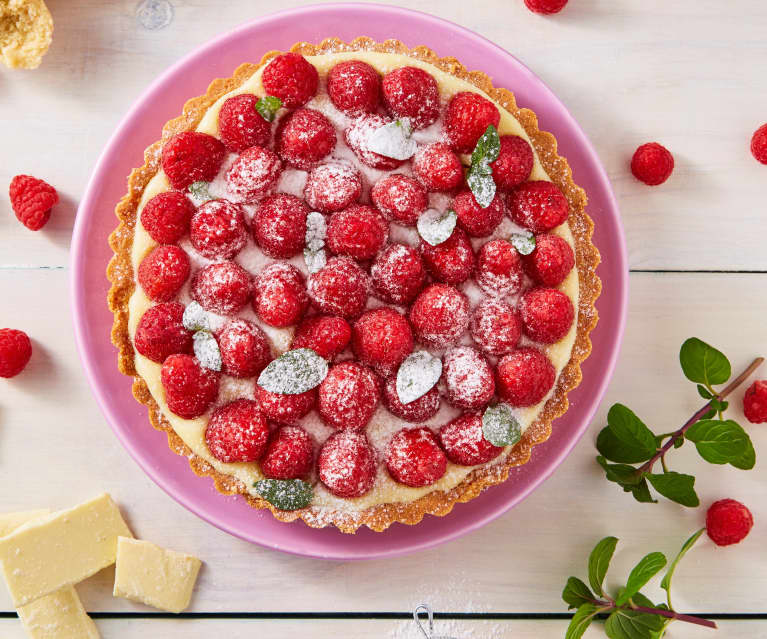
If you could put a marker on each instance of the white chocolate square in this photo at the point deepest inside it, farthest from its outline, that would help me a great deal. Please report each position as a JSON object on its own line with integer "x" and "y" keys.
{"x": 59, "y": 615}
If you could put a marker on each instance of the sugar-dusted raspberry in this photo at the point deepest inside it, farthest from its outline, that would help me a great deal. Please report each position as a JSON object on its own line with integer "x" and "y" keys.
{"x": 15, "y": 351}
{"x": 414, "y": 457}
{"x": 240, "y": 126}
{"x": 358, "y": 231}
{"x": 382, "y": 339}
{"x": 347, "y": 464}
{"x": 496, "y": 327}
{"x": 728, "y": 522}
{"x": 538, "y": 206}
{"x": 551, "y": 260}
{"x": 166, "y": 217}
{"x": 397, "y": 274}
{"x": 279, "y": 295}
{"x": 759, "y": 144}
{"x": 514, "y": 163}
{"x": 192, "y": 157}
{"x": 468, "y": 378}
{"x": 161, "y": 333}
{"x": 452, "y": 261}
{"x": 467, "y": 117}
{"x": 410, "y": 92}
{"x": 218, "y": 230}
{"x": 285, "y": 409}
{"x": 652, "y": 163}
{"x": 419, "y": 410}
{"x": 439, "y": 315}
{"x": 237, "y": 432}
{"x": 289, "y": 455}
{"x": 400, "y": 198}
{"x": 464, "y": 442}
{"x": 279, "y": 225}
{"x": 223, "y": 287}
{"x": 245, "y": 349}
{"x": 438, "y": 167}
{"x": 354, "y": 87}
{"x": 291, "y": 78}
{"x": 190, "y": 389}
{"x": 546, "y": 314}
{"x": 32, "y": 200}
{"x": 755, "y": 402}
{"x": 253, "y": 174}
{"x": 163, "y": 272}
{"x": 332, "y": 187}
{"x": 524, "y": 377}
{"x": 474, "y": 219}
{"x": 326, "y": 335}
{"x": 341, "y": 288}
{"x": 545, "y": 7}
{"x": 304, "y": 138}
{"x": 499, "y": 268}
{"x": 348, "y": 396}
{"x": 357, "y": 136}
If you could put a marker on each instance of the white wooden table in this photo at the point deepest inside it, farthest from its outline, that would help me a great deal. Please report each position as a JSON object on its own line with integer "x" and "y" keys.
{"x": 688, "y": 73}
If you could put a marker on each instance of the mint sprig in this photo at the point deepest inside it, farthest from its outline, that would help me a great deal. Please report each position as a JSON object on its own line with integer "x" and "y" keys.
{"x": 268, "y": 106}
{"x": 480, "y": 176}
{"x": 285, "y": 494}
{"x": 199, "y": 192}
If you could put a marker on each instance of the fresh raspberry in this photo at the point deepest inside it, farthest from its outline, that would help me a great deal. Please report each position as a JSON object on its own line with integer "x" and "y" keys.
{"x": 514, "y": 163}
{"x": 474, "y": 219}
{"x": 382, "y": 339}
{"x": 452, "y": 261}
{"x": 223, "y": 288}
{"x": 468, "y": 378}
{"x": 15, "y": 351}
{"x": 161, "y": 333}
{"x": 326, "y": 335}
{"x": 464, "y": 442}
{"x": 755, "y": 402}
{"x": 218, "y": 230}
{"x": 546, "y": 314}
{"x": 467, "y": 117}
{"x": 237, "y": 432}
{"x": 291, "y": 78}
{"x": 728, "y": 522}
{"x": 354, "y": 87}
{"x": 538, "y": 206}
{"x": 341, "y": 288}
{"x": 285, "y": 409}
{"x": 348, "y": 396}
{"x": 414, "y": 457}
{"x": 190, "y": 389}
{"x": 240, "y": 126}
{"x": 439, "y": 315}
{"x": 496, "y": 327}
{"x": 545, "y": 7}
{"x": 357, "y": 137}
{"x": 245, "y": 349}
{"x": 32, "y": 200}
{"x": 347, "y": 464}
{"x": 279, "y": 225}
{"x": 551, "y": 260}
{"x": 410, "y": 92}
{"x": 419, "y": 410}
{"x": 358, "y": 231}
{"x": 759, "y": 144}
{"x": 438, "y": 168}
{"x": 400, "y": 198}
{"x": 253, "y": 174}
{"x": 499, "y": 268}
{"x": 524, "y": 377}
{"x": 397, "y": 274}
{"x": 652, "y": 164}
{"x": 166, "y": 217}
{"x": 289, "y": 455}
{"x": 192, "y": 157}
{"x": 163, "y": 272}
{"x": 304, "y": 138}
{"x": 332, "y": 187}
{"x": 279, "y": 295}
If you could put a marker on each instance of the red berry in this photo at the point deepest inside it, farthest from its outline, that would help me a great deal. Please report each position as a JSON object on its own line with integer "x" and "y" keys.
{"x": 218, "y": 230}
{"x": 496, "y": 327}
{"x": 652, "y": 164}
{"x": 382, "y": 339}
{"x": 166, "y": 217}
{"x": 332, "y": 187}
{"x": 32, "y": 200}
{"x": 358, "y": 231}
{"x": 464, "y": 442}
{"x": 452, "y": 261}
{"x": 468, "y": 378}
{"x": 538, "y": 206}
{"x": 759, "y": 144}
{"x": 354, "y": 87}
{"x": 728, "y": 522}
{"x": 357, "y": 137}
{"x": 192, "y": 157}
{"x": 545, "y": 7}
{"x": 161, "y": 333}
{"x": 253, "y": 174}
{"x": 524, "y": 377}
{"x": 551, "y": 260}
{"x": 237, "y": 432}
{"x": 341, "y": 288}
{"x": 414, "y": 457}
{"x": 280, "y": 295}
{"x": 245, "y": 349}
{"x": 499, "y": 268}
{"x": 347, "y": 464}
{"x": 397, "y": 274}
{"x": 326, "y": 335}
{"x": 289, "y": 455}
{"x": 163, "y": 272}
{"x": 279, "y": 225}
{"x": 348, "y": 396}
{"x": 291, "y": 78}
{"x": 400, "y": 198}
{"x": 15, "y": 351}
{"x": 474, "y": 219}
{"x": 240, "y": 126}
{"x": 755, "y": 402}
{"x": 546, "y": 314}
{"x": 438, "y": 168}
{"x": 190, "y": 389}
{"x": 304, "y": 138}
{"x": 410, "y": 92}
{"x": 439, "y": 315}
{"x": 467, "y": 118}
{"x": 285, "y": 409}
{"x": 514, "y": 163}
{"x": 223, "y": 288}
{"x": 419, "y": 410}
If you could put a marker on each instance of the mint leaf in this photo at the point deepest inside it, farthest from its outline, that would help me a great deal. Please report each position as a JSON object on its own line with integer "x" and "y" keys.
{"x": 499, "y": 426}
{"x": 480, "y": 176}
{"x": 631, "y": 431}
{"x": 747, "y": 460}
{"x": 393, "y": 140}
{"x": 676, "y": 487}
{"x": 645, "y": 570}
{"x": 436, "y": 227}
{"x": 315, "y": 260}
{"x": 488, "y": 147}
{"x": 576, "y": 593}
{"x": 285, "y": 494}
{"x": 581, "y": 621}
{"x": 616, "y": 450}
{"x": 206, "y": 350}
{"x": 523, "y": 242}
{"x": 417, "y": 375}
{"x": 294, "y": 372}
{"x": 641, "y": 492}
{"x": 703, "y": 392}
{"x": 599, "y": 562}
{"x": 195, "y": 318}
{"x": 316, "y": 231}
{"x": 199, "y": 192}
{"x": 631, "y": 624}
{"x": 717, "y": 441}
{"x": 666, "y": 581}
{"x": 622, "y": 474}
{"x": 703, "y": 364}
{"x": 268, "y": 106}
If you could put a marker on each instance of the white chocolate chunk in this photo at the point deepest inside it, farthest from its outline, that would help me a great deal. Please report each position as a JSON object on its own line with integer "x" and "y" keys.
{"x": 59, "y": 615}
{"x": 11, "y": 521}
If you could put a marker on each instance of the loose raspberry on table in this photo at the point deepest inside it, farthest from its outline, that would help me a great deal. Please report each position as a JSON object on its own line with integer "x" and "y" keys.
{"x": 357, "y": 137}
{"x": 192, "y": 157}
{"x": 347, "y": 464}
{"x": 304, "y": 138}
{"x": 15, "y": 351}
{"x": 414, "y": 457}
{"x": 285, "y": 409}
{"x": 279, "y": 297}
{"x": 245, "y": 348}
{"x": 358, "y": 231}
{"x": 163, "y": 272}
{"x": 289, "y": 455}
{"x": 546, "y": 314}
{"x": 419, "y": 410}
{"x": 499, "y": 268}
{"x": 759, "y": 144}
{"x": 439, "y": 315}
{"x": 382, "y": 339}
{"x": 279, "y": 225}
{"x": 467, "y": 117}
{"x": 190, "y": 389}
{"x": 291, "y": 78}
{"x": 464, "y": 442}
{"x": 354, "y": 87}
{"x": 218, "y": 230}
{"x": 332, "y": 187}
{"x": 545, "y": 7}
{"x": 32, "y": 200}
{"x": 652, "y": 164}
{"x": 253, "y": 174}
{"x": 341, "y": 288}
{"x": 524, "y": 377}
{"x": 410, "y": 92}
{"x": 161, "y": 333}
{"x": 755, "y": 402}
{"x": 468, "y": 378}
{"x": 326, "y": 335}
{"x": 348, "y": 396}
{"x": 438, "y": 167}
{"x": 474, "y": 219}
{"x": 397, "y": 274}
{"x": 223, "y": 287}
{"x": 728, "y": 522}
{"x": 451, "y": 262}
{"x": 496, "y": 327}
{"x": 240, "y": 126}
{"x": 514, "y": 163}
{"x": 400, "y": 198}
{"x": 237, "y": 432}
{"x": 551, "y": 260}
{"x": 166, "y": 217}
{"x": 538, "y": 205}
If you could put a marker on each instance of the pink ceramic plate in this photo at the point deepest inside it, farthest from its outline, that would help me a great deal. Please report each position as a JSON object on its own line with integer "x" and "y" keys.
{"x": 141, "y": 126}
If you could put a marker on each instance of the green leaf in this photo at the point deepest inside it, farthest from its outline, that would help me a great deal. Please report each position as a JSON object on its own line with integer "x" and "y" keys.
{"x": 616, "y": 450}
{"x": 294, "y": 372}
{"x": 488, "y": 147}
{"x": 747, "y": 460}
{"x": 206, "y": 350}
{"x": 645, "y": 570}
{"x": 666, "y": 581}
{"x": 195, "y": 318}
{"x": 523, "y": 242}
{"x": 631, "y": 624}
{"x": 622, "y": 474}
{"x": 436, "y": 227}
{"x": 641, "y": 492}
{"x": 676, "y": 487}
{"x": 718, "y": 441}
{"x": 199, "y": 191}
{"x": 285, "y": 494}
{"x": 581, "y": 621}
{"x": 599, "y": 562}
{"x": 482, "y": 186}
{"x": 704, "y": 364}
{"x": 480, "y": 176}
{"x": 704, "y": 393}
{"x": 417, "y": 375}
{"x": 268, "y": 106}
{"x": 393, "y": 140}
{"x": 637, "y": 439}
{"x": 576, "y": 593}
{"x": 678, "y": 443}
{"x": 711, "y": 412}
{"x": 500, "y": 427}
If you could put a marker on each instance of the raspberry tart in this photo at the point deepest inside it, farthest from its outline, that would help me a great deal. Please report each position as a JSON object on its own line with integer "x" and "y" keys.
{"x": 353, "y": 283}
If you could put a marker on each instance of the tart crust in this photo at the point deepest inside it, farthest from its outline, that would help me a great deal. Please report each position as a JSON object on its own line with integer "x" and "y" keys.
{"x": 379, "y": 517}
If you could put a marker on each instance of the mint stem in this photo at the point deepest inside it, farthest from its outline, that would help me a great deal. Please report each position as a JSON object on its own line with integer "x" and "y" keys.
{"x": 670, "y": 614}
